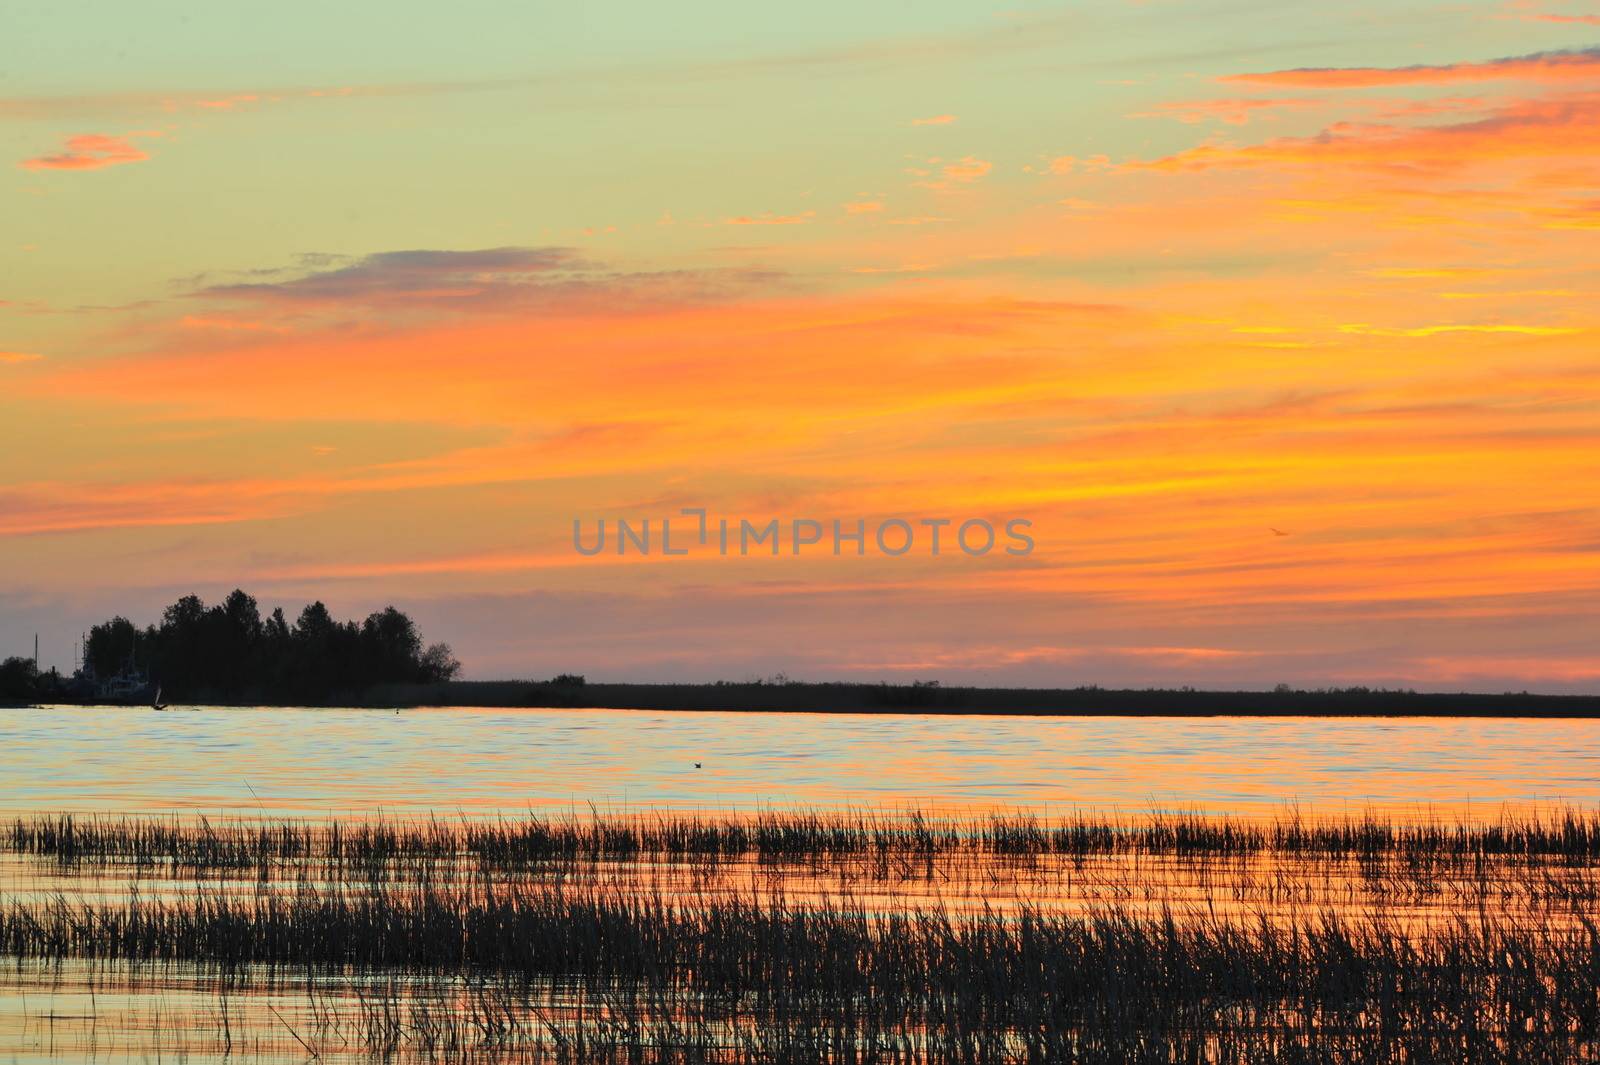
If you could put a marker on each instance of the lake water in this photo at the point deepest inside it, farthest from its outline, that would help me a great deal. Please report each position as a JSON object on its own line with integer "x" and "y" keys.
{"x": 317, "y": 762}
{"x": 126, "y": 956}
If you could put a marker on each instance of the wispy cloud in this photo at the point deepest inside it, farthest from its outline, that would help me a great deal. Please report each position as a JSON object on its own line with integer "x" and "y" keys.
{"x": 1582, "y": 20}
{"x": 13, "y": 358}
{"x": 936, "y": 120}
{"x": 903, "y": 268}
{"x": 967, "y": 168}
{"x": 1574, "y": 65}
{"x": 89, "y": 151}
{"x": 177, "y": 102}
{"x": 940, "y": 175}
{"x": 979, "y": 39}
{"x": 1436, "y": 330}
{"x": 1234, "y": 112}
{"x": 416, "y": 273}
{"x": 547, "y": 279}
{"x": 769, "y": 219}
{"x": 1551, "y": 127}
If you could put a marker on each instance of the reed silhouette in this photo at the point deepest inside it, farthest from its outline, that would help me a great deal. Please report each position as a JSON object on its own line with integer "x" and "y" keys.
{"x": 852, "y": 937}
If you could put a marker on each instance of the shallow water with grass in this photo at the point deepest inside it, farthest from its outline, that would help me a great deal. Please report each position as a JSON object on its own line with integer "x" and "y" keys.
{"x": 254, "y": 885}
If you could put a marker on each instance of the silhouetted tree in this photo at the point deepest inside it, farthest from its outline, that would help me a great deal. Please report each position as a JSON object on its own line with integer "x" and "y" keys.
{"x": 242, "y": 615}
{"x": 390, "y": 645}
{"x": 439, "y": 663}
{"x": 19, "y": 681}
{"x": 116, "y": 645}
{"x": 184, "y": 615}
{"x": 229, "y": 652}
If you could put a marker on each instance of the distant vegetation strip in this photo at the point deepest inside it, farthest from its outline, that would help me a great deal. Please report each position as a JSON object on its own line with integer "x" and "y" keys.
{"x": 932, "y": 698}
{"x": 854, "y": 698}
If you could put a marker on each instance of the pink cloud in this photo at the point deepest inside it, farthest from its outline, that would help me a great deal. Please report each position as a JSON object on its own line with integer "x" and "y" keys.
{"x": 88, "y": 151}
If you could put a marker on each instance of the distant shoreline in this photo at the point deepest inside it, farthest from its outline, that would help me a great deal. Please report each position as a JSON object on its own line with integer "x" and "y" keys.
{"x": 846, "y": 698}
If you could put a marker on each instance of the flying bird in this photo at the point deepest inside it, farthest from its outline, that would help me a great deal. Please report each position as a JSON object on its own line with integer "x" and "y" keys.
{"x": 1277, "y": 532}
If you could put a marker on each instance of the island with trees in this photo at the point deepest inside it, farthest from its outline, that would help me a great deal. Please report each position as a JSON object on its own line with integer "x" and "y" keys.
{"x": 230, "y": 654}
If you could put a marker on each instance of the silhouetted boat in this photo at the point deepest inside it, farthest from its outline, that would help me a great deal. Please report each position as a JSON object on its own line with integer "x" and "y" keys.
{"x": 128, "y": 687}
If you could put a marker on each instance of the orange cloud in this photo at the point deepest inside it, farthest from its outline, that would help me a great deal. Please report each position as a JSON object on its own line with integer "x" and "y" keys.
{"x": 1583, "y": 20}
{"x": 1234, "y": 112}
{"x": 963, "y": 171}
{"x": 903, "y": 268}
{"x": 1558, "y": 126}
{"x": 228, "y": 103}
{"x": 57, "y": 108}
{"x": 1151, "y": 447}
{"x": 863, "y": 207}
{"x": 769, "y": 219}
{"x": 88, "y": 151}
{"x": 936, "y": 120}
{"x": 1439, "y": 105}
{"x": 1436, "y": 330}
{"x": 1105, "y": 374}
{"x": 1540, "y": 669}
{"x": 1238, "y": 112}
{"x": 32, "y": 509}
{"x": 16, "y": 357}
{"x": 1067, "y": 164}
{"x": 967, "y": 168}
{"x": 195, "y": 321}
{"x": 1577, "y": 65}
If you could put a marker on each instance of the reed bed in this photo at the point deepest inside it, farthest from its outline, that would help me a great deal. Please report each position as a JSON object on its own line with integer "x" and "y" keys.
{"x": 792, "y": 838}
{"x": 733, "y": 976}
{"x": 825, "y": 937}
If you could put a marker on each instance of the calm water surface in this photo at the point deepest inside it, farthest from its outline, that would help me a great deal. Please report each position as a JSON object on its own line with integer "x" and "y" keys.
{"x": 307, "y": 762}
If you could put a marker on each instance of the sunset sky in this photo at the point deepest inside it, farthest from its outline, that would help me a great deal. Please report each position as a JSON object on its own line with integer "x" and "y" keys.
{"x": 1278, "y": 321}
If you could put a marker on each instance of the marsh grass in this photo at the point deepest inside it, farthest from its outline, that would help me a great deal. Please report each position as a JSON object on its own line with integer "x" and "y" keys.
{"x": 792, "y": 837}
{"x": 835, "y": 937}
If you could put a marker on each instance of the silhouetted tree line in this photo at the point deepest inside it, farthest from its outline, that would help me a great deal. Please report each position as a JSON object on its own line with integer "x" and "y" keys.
{"x": 229, "y": 651}
{"x": 20, "y": 682}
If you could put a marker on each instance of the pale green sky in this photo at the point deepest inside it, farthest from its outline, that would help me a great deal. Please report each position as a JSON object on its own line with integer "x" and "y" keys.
{"x": 510, "y": 123}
